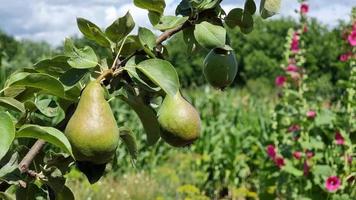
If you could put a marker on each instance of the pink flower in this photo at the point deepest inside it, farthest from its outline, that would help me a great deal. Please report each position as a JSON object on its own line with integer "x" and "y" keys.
{"x": 339, "y": 139}
{"x": 294, "y": 46}
{"x": 271, "y": 151}
{"x": 297, "y": 155}
{"x": 279, "y": 161}
{"x": 349, "y": 159}
{"x": 306, "y": 168}
{"x": 305, "y": 28}
{"x": 304, "y": 8}
{"x": 344, "y": 57}
{"x": 292, "y": 68}
{"x": 311, "y": 114}
{"x": 332, "y": 183}
{"x": 309, "y": 154}
{"x": 294, "y": 128}
{"x": 280, "y": 80}
{"x": 352, "y": 38}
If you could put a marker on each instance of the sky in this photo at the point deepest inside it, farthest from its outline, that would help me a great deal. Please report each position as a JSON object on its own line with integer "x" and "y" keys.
{"x": 53, "y": 20}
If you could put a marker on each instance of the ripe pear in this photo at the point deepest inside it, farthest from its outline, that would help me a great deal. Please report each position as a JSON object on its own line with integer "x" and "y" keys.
{"x": 220, "y": 68}
{"x": 179, "y": 121}
{"x": 92, "y": 130}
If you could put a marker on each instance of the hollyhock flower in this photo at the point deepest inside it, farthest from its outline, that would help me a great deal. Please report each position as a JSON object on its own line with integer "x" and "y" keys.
{"x": 291, "y": 68}
{"x": 306, "y": 168}
{"x": 294, "y": 128}
{"x": 339, "y": 139}
{"x": 280, "y": 80}
{"x": 297, "y": 155}
{"x": 309, "y": 154}
{"x": 279, "y": 161}
{"x": 352, "y": 38}
{"x": 344, "y": 57}
{"x": 294, "y": 46}
{"x": 311, "y": 114}
{"x": 304, "y": 8}
{"x": 271, "y": 151}
{"x": 333, "y": 183}
{"x": 305, "y": 28}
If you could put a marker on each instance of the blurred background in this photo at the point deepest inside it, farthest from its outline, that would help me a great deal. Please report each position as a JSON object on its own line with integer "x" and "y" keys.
{"x": 235, "y": 122}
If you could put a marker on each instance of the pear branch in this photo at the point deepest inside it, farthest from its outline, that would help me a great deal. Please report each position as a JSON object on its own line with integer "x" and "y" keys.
{"x": 31, "y": 154}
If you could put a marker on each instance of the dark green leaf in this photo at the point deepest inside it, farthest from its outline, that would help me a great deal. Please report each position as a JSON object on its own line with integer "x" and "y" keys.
{"x": 210, "y": 36}
{"x": 162, "y": 73}
{"x": 151, "y": 5}
{"x": 250, "y": 6}
{"x": 92, "y": 172}
{"x": 7, "y": 133}
{"x": 73, "y": 76}
{"x": 93, "y": 32}
{"x": 129, "y": 140}
{"x": 47, "y": 134}
{"x": 54, "y": 66}
{"x": 120, "y": 28}
{"x": 131, "y": 45}
{"x": 269, "y": 8}
{"x": 234, "y": 18}
{"x": 154, "y": 17}
{"x": 11, "y": 103}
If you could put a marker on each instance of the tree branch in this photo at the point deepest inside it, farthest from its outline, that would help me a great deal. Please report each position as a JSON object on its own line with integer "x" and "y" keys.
{"x": 31, "y": 154}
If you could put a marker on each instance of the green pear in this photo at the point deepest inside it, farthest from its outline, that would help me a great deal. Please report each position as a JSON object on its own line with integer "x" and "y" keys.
{"x": 92, "y": 130}
{"x": 220, "y": 68}
{"x": 179, "y": 121}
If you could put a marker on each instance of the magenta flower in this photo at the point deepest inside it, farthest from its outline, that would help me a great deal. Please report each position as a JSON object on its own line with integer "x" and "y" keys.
{"x": 309, "y": 154}
{"x": 311, "y": 114}
{"x": 306, "y": 168}
{"x": 271, "y": 151}
{"x": 279, "y": 161}
{"x": 352, "y": 38}
{"x": 297, "y": 155}
{"x": 280, "y": 80}
{"x": 304, "y": 8}
{"x": 344, "y": 57}
{"x": 339, "y": 139}
{"x": 292, "y": 68}
{"x": 294, "y": 128}
{"x": 333, "y": 183}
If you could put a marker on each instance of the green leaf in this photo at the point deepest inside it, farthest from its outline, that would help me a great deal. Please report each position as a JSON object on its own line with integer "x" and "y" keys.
{"x": 250, "y": 6}
{"x": 210, "y": 36}
{"x": 325, "y": 117}
{"x": 184, "y": 8}
{"x": 269, "y": 8}
{"x": 147, "y": 117}
{"x": 54, "y": 66}
{"x": 129, "y": 140}
{"x": 93, "y": 32}
{"x": 170, "y": 22}
{"x": 131, "y": 45}
{"x": 65, "y": 194}
{"x": 162, "y": 73}
{"x": 154, "y": 17}
{"x": 92, "y": 172}
{"x": 13, "y": 104}
{"x": 234, "y": 18}
{"x": 7, "y": 133}
{"x": 9, "y": 164}
{"x": 73, "y": 76}
{"x": 204, "y": 4}
{"x": 44, "y": 82}
{"x": 5, "y": 196}
{"x": 131, "y": 69}
{"x": 80, "y": 58}
{"x": 147, "y": 38}
{"x": 289, "y": 168}
{"x": 47, "y": 134}
{"x": 49, "y": 108}
{"x": 151, "y": 5}
{"x": 120, "y": 28}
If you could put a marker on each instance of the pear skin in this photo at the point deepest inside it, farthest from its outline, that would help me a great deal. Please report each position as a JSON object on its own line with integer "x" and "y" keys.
{"x": 92, "y": 130}
{"x": 220, "y": 68}
{"x": 179, "y": 121}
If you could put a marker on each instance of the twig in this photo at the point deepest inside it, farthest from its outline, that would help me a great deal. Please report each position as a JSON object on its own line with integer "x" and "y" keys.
{"x": 31, "y": 154}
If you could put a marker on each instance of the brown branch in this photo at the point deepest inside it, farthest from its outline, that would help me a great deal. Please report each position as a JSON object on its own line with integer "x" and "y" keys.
{"x": 31, "y": 154}
{"x": 169, "y": 33}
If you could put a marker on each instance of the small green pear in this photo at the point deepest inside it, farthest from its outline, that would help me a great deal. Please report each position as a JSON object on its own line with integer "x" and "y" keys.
{"x": 92, "y": 130}
{"x": 220, "y": 68}
{"x": 180, "y": 122}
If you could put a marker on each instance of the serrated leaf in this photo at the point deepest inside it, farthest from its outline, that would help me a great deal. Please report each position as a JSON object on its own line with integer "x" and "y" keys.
{"x": 162, "y": 73}
{"x": 44, "y": 82}
{"x": 120, "y": 28}
{"x": 93, "y": 32}
{"x": 151, "y": 5}
{"x": 80, "y": 58}
{"x": 209, "y": 35}
{"x": 269, "y": 8}
{"x": 129, "y": 140}
{"x": 13, "y": 104}
{"x": 48, "y": 134}
{"x": 170, "y": 22}
{"x": 7, "y": 133}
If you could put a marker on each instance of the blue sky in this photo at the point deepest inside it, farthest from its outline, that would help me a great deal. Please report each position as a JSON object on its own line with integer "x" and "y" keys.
{"x": 53, "y": 20}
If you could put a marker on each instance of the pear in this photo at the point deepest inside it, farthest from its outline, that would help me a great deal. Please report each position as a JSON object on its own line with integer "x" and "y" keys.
{"x": 220, "y": 68}
{"x": 179, "y": 121}
{"x": 92, "y": 130}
